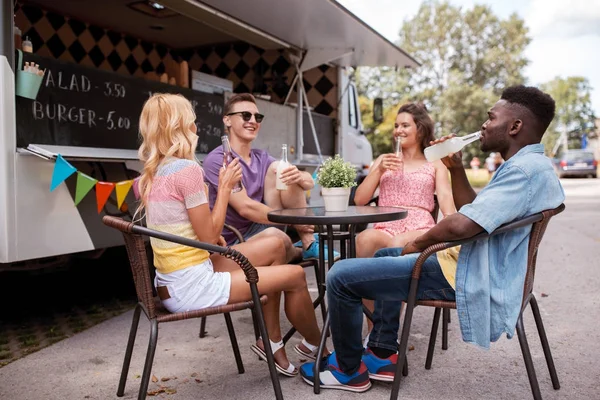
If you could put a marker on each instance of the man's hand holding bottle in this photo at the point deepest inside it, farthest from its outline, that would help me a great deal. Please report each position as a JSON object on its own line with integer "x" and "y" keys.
{"x": 452, "y": 160}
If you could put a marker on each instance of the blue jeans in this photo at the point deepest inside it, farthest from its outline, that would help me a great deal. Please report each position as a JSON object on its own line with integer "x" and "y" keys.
{"x": 385, "y": 279}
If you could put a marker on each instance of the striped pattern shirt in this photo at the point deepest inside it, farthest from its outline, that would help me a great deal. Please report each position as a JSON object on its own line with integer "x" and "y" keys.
{"x": 177, "y": 186}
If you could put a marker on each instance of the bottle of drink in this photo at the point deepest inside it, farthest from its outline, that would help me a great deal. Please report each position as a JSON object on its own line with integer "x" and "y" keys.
{"x": 227, "y": 158}
{"x": 398, "y": 152}
{"x": 26, "y": 45}
{"x": 441, "y": 150}
{"x": 283, "y": 164}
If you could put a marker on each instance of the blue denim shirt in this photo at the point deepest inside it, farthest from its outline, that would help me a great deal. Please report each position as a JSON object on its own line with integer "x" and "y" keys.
{"x": 491, "y": 273}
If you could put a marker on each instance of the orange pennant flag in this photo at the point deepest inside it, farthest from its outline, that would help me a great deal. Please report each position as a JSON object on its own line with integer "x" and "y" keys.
{"x": 122, "y": 189}
{"x": 103, "y": 191}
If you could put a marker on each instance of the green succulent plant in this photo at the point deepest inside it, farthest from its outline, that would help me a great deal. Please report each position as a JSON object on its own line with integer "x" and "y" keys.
{"x": 335, "y": 172}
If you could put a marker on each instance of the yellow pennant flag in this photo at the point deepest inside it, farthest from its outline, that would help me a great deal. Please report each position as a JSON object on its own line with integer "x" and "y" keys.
{"x": 122, "y": 189}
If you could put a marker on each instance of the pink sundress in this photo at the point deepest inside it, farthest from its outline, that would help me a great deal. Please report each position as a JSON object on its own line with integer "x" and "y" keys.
{"x": 412, "y": 191}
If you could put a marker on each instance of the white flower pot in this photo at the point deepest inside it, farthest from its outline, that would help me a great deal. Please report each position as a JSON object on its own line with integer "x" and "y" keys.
{"x": 336, "y": 199}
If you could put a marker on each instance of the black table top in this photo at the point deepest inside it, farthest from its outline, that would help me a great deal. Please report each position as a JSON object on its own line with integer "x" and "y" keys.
{"x": 354, "y": 215}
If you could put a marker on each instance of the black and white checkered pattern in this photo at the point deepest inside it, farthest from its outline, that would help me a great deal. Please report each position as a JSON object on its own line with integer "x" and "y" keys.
{"x": 250, "y": 68}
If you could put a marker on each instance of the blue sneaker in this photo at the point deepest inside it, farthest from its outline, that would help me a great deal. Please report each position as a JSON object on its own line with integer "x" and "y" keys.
{"x": 313, "y": 252}
{"x": 299, "y": 242}
{"x": 380, "y": 369}
{"x": 332, "y": 377}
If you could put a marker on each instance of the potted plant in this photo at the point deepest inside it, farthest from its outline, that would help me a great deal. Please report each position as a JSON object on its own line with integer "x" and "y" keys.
{"x": 336, "y": 178}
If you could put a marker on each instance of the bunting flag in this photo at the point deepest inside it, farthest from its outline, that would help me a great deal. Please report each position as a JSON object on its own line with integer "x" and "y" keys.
{"x": 84, "y": 185}
{"x": 103, "y": 191}
{"x": 122, "y": 190}
{"x": 62, "y": 170}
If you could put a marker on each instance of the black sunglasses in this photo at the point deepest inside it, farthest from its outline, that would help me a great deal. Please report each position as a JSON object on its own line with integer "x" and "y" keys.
{"x": 247, "y": 116}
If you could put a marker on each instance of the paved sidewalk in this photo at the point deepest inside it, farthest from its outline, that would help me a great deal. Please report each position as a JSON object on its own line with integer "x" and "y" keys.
{"x": 87, "y": 365}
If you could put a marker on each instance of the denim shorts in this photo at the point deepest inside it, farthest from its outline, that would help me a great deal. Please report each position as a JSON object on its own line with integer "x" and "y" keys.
{"x": 255, "y": 229}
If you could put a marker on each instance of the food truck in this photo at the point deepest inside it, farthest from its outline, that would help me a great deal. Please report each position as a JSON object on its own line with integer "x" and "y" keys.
{"x": 101, "y": 60}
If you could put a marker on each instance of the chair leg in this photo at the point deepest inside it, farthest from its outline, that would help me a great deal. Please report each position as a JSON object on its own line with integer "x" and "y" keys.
{"x": 149, "y": 359}
{"x": 292, "y": 330}
{"x": 129, "y": 351}
{"x": 545, "y": 345}
{"x": 255, "y": 326}
{"x": 234, "y": 343}
{"x": 535, "y": 387}
{"x": 317, "y": 382}
{"x": 445, "y": 321}
{"x": 202, "y": 328}
{"x": 410, "y": 306}
{"x": 316, "y": 303}
{"x": 267, "y": 344}
{"x": 433, "y": 337}
{"x": 321, "y": 276}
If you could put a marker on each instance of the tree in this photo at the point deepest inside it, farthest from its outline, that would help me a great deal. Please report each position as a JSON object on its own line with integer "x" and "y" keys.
{"x": 467, "y": 58}
{"x": 386, "y": 82}
{"x": 574, "y": 115}
{"x": 465, "y": 51}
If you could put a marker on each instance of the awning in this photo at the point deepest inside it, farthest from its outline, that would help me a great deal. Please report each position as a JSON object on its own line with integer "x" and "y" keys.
{"x": 323, "y": 27}
{"x": 227, "y": 24}
{"x": 50, "y": 152}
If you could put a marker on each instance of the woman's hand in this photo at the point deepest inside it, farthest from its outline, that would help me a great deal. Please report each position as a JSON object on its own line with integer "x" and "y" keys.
{"x": 221, "y": 241}
{"x": 410, "y": 248}
{"x": 390, "y": 162}
{"x": 231, "y": 175}
{"x": 452, "y": 160}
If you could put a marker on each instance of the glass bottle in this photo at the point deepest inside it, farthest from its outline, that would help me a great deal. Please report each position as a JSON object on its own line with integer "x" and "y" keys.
{"x": 283, "y": 164}
{"x": 398, "y": 152}
{"x": 27, "y": 46}
{"x": 227, "y": 158}
{"x": 441, "y": 150}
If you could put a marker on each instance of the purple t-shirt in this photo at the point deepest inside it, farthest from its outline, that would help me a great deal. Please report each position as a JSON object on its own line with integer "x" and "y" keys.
{"x": 253, "y": 179}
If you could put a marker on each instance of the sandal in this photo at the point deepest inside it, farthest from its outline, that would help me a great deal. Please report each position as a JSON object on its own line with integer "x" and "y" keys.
{"x": 290, "y": 371}
{"x": 313, "y": 350}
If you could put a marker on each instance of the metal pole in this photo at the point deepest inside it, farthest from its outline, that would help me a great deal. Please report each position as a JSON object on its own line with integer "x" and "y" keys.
{"x": 7, "y": 39}
{"x": 312, "y": 124}
{"x": 299, "y": 117}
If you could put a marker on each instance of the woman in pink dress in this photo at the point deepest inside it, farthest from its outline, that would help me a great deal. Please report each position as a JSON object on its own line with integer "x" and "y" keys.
{"x": 408, "y": 181}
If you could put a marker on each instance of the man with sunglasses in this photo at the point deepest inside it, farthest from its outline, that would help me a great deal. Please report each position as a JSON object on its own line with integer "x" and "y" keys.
{"x": 248, "y": 208}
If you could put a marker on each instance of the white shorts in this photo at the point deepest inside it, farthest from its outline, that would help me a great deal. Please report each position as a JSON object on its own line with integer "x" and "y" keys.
{"x": 195, "y": 287}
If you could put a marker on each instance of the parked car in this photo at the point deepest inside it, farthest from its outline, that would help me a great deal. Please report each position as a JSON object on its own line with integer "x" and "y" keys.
{"x": 576, "y": 163}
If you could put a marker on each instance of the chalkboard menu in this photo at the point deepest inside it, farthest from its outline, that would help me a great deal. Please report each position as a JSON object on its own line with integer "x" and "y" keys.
{"x": 81, "y": 106}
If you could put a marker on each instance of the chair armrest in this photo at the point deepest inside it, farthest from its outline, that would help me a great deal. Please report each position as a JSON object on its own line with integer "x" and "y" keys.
{"x": 530, "y": 220}
{"x": 233, "y": 230}
{"x": 129, "y": 227}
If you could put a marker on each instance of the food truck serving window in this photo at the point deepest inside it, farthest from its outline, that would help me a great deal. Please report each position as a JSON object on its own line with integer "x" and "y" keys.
{"x": 95, "y": 111}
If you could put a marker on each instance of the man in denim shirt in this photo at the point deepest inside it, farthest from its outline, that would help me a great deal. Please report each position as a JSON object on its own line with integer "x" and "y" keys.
{"x": 485, "y": 277}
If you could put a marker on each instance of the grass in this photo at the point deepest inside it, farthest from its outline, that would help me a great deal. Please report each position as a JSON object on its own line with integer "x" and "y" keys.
{"x": 29, "y": 340}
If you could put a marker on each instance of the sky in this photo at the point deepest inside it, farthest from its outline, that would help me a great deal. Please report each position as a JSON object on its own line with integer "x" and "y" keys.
{"x": 565, "y": 34}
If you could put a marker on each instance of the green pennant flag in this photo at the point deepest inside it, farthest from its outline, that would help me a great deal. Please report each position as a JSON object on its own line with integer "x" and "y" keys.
{"x": 84, "y": 185}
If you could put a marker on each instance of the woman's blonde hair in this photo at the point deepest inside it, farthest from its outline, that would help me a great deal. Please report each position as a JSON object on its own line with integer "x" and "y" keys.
{"x": 166, "y": 130}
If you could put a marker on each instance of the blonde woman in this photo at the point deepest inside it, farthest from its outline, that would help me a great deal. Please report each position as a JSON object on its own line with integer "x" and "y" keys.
{"x": 174, "y": 200}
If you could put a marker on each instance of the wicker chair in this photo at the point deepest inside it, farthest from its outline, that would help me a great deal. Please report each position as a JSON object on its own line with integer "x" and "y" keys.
{"x": 157, "y": 314}
{"x": 539, "y": 222}
{"x": 303, "y": 263}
